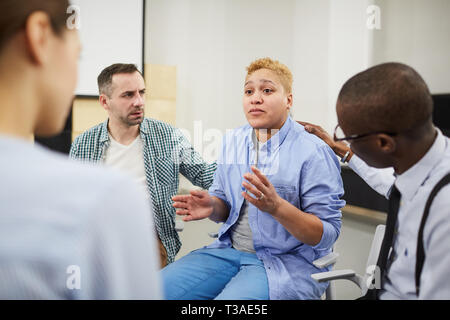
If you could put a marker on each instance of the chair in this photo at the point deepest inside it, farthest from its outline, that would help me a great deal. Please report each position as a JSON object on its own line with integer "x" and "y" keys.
{"x": 363, "y": 282}
{"x": 179, "y": 225}
{"x": 328, "y": 260}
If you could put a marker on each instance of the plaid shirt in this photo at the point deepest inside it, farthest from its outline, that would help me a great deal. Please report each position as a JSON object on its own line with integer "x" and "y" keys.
{"x": 166, "y": 154}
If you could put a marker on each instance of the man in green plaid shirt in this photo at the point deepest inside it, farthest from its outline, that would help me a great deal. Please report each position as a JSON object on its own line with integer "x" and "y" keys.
{"x": 151, "y": 151}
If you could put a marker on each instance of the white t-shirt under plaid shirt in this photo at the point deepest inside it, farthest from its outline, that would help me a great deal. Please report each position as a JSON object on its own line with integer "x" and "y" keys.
{"x": 167, "y": 153}
{"x": 128, "y": 159}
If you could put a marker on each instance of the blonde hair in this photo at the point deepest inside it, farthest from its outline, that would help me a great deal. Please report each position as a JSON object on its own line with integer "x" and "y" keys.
{"x": 280, "y": 69}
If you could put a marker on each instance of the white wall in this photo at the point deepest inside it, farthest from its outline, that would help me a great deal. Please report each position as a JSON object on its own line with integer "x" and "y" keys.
{"x": 211, "y": 43}
{"x": 323, "y": 42}
{"x": 99, "y": 32}
{"x": 350, "y": 43}
{"x": 416, "y": 32}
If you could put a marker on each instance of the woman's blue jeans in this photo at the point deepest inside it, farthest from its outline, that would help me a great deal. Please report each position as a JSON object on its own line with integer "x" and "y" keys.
{"x": 221, "y": 274}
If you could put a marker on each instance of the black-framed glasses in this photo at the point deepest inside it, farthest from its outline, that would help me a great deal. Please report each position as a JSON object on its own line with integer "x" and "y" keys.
{"x": 339, "y": 135}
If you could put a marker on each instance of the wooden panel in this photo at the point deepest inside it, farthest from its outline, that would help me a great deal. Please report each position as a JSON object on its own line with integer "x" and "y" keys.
{"x": 86, "y": 114}
{"x": 163, "y": 110}
{"x": 162, "y": 91}
{"x": 161, "y": 82}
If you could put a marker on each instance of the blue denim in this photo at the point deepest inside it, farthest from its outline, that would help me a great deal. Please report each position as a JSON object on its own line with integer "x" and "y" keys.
{"x": 305, "y": 172}
{"x": 221, "y": 274}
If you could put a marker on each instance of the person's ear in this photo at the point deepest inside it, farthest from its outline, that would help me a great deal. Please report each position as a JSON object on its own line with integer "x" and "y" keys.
{"x": 386, "y": 143}
{"x": 38, "y": 32}
{"x": 290, "y": 100}
{"x": 103, "y": 99}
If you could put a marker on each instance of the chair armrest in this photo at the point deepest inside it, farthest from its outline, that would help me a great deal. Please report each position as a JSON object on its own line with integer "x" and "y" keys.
{"x": 179, "y": 225}
{"x": 213, "y": 234}
{"x": 333, "y": 275}
{"x": 340, "y": 275}
{"x": 327, "y": 260}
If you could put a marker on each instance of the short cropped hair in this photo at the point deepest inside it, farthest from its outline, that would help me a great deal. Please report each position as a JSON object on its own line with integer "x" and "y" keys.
{"x": 280, "y": 69}
{"x": 14, "y": 14}
{"x": 389, "y": 97}
{"x": 104, "y": 80}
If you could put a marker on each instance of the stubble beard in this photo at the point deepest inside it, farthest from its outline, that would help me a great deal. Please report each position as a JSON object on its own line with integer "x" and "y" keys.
{"x": 132, "y": 122}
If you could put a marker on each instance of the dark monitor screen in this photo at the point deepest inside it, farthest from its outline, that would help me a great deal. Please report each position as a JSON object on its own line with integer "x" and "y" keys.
{"x": 441, "y": 113}
{"x": 60, "y": 142}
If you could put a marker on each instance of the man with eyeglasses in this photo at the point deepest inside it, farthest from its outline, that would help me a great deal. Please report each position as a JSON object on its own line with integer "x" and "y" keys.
{"x": 385, "y": 116}
{"x": 379, "y": 179}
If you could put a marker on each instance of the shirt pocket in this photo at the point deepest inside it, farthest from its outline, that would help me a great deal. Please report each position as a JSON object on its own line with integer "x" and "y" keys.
{"x": 288, "y": 193}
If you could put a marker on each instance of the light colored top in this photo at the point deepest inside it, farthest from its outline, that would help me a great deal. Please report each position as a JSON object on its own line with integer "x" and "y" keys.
{"x": 380, "y": 180}
{"x": 71, "y": 230}
{"x": 129, "y": 160}
{"x": 415, "y": 186}
{"x": 241, "y": 234}
{"x": 303, "y": 171}
{"x": 167, "y": 154}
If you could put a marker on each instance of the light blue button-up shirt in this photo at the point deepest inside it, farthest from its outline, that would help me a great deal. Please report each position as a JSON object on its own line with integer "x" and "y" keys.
{"x": 72, "y": 231}
{"x": 305, "y": 172}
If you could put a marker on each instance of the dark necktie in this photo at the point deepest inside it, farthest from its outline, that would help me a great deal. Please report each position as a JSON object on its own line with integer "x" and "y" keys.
{"x": 394, "y": 204}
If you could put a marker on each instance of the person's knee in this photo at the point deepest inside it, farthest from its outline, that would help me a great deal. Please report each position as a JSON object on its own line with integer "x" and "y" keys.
{"x": 198, "y": 275}
{"x": 250, "y": 283}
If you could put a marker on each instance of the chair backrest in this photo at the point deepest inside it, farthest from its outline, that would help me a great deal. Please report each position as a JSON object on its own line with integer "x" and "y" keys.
{"x": 376, "y": 245}
{"x": 363, "y": 281}
{"x": 330, "y": 292}
{"x": 371, "y": 274}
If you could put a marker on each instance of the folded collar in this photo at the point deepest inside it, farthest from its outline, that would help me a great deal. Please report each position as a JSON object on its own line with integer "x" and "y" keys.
{"x": 144, "y": 127}
{"x": 275, "y": 141}
{"x": 408, "y": 183}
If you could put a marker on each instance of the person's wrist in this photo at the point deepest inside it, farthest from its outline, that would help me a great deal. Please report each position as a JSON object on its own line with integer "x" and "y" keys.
{"x": 341, "y": 149}
{"x": 347, "y": 155}
{"x": 277, "y": 205}
{"x": 350, "y": 155}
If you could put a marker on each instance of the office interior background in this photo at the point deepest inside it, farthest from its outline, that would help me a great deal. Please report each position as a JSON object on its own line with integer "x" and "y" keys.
{"x": 194, "y": 54}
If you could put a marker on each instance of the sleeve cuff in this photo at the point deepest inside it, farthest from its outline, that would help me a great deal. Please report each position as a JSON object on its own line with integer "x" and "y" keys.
{"x": 329, "y": 237}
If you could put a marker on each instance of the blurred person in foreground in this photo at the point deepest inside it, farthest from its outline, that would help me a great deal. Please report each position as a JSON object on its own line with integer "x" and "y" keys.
{"x": 67, "y": 231}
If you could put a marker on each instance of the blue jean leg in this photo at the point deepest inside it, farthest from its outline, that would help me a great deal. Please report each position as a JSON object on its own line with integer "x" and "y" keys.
{"x": 211, "y": 273}
{"x": 202, "y": 274}
{"x": 250, "y": 283}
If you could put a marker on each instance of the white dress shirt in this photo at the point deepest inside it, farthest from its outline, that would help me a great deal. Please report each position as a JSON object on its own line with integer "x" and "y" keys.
{"x": 415, "y": 186}
{"x": 380, "y": 180}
